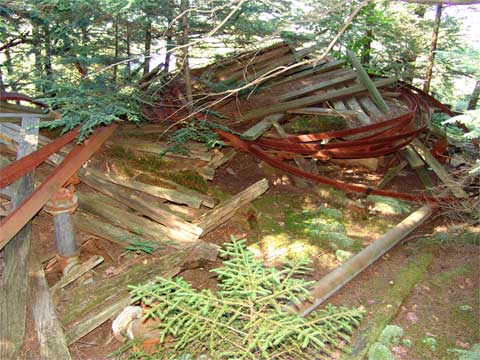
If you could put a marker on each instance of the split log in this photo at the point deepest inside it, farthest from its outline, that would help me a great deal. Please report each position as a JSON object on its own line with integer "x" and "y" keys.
{"x": 155, "y": 211}
{"x": 438, "y": 169}
{"x": 318, "y": 111}
{"x": 261, "y": 127}
{"x": 102, "y": 206}
{"x": 335, "y": 280}
{"x": 14, "y": 286}
{"x": 368, "y": 83}
{"x": 314, "y": 99}
{"x": 70, "y": 277}
{"x": 226, "y": 210}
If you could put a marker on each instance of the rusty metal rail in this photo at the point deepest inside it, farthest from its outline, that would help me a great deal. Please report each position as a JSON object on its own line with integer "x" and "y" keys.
{"x": 80, "y": 153}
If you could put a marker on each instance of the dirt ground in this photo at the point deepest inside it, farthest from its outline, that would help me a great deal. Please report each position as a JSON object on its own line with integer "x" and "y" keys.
{"x": 443, "y": 305}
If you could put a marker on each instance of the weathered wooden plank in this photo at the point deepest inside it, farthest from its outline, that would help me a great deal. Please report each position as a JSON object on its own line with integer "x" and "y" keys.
{"x": 70, "y": 277}
{"x": 438, "y": 169}
{"x": 418, "y": 166}
{"x": 196, "y": 151}
{"x": 14, "y": 287}
{"x": 225, "y": 211}
{"x": 155, "y": 211}
{"x": 50, "y": 336}
{"x": 368, "y": 83}
{"x": 343, "y": 77}
{"x": 312, "y": 100}
{"x": 319, "y": 111}
{"x": 261, "y": 127}
{"x": 309, "y": 70}
{"x": 161, "y": 192}
{"x": 371, "y": 108}
{"x": 391, "y": 174}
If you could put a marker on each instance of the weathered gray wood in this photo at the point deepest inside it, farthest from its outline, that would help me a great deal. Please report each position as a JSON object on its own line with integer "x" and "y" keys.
{"x": 312, "y": 100}
{"x": 157, "y": 212}
{"x": 368, "y": 105}
{"x": 225, "y": 211}
{"x": 438, "y": 169}
{"x": 50, "y": 336}
{"x": 324, "y": 111}
{"x": 335, "y": 280}
{"x": 417, "y": 164}
{"x": 196, "y": 151}
{"x": 309, "y": 70}
{"x": 161, "y": 192}
{"x": 14, "y": 287}
{"x": 367, "y": 82}
{"x": 344, "y": 76}
{"x": 391, "y": 173}
{"x": 261, "y": 127}
{"x": 74, "y": 275}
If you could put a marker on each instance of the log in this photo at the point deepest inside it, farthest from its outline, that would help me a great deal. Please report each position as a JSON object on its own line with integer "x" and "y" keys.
{"x": 313, "y": 99}
{"x": 225, "y": 211}
{"x": 438, "y": 169}
{"x": 161, "y": 192}
{"x": 261, "y": 127}
{"x": 102, "y": 206}
{"x": 335, "y": 280}
{"x": 368, "y": 83}
{"x": 344, "y": 76}
{"x": 155, "y": 211}
{"x": 14, "y": 290}
{"x": 50, "y": 336}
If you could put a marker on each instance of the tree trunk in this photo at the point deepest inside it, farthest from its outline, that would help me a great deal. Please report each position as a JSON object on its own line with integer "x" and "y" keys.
{"x": 129, "y": 54}
{"x": 116, "y": 51}
{"x": 367, "y": 46}
{"x": 2, "y": 84}
{"x": 10, "y": 72}
{"x": 148, "y": 45}
{"x": 37, "y": 53}
{"x": 186, "y": 67}
{"x": 47, "y": 61}
{"x": 433, "y": 49}
{"x": 472, "y": 104}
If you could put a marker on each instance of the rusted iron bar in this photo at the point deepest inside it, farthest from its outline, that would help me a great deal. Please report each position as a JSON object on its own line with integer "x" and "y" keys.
{"x": 12, "y": 96}
{"x": 22, "y": 166}
{"x": 72, "y": 162}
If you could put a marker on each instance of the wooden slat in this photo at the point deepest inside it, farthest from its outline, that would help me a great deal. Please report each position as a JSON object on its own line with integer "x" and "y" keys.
{"x": 261, "y": 127}
{"x": 312, "y": 100}
{"x": 319, "y": 111}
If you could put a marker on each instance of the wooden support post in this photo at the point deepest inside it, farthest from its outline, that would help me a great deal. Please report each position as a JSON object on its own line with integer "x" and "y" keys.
{"x": 14, "y": 287}
{"x": 335, "y": 280}
{"x": 368, "y": 83}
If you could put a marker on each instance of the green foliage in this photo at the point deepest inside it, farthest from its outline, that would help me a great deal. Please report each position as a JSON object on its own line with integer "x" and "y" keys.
{"x": 246, "y": 318}
{"x": 378, "y": 351}
{"x": 201, "y": 131}
{"x": 137, "y": 246}
{"x": 472, "y": 354}
{"x": 391, "y": 335}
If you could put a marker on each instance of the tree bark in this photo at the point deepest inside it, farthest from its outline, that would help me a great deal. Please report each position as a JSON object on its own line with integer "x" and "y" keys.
{"x": 186, "y": 68}
{"x": 9, "y": 67}
{"x": 47, "y": 61}
{"x": 148, "y": 45}
{"x": 433, "y": 49}
{"x": 472, "y": 104}
{"x": 116, "y": 51}
{"x": 129, "y": 54}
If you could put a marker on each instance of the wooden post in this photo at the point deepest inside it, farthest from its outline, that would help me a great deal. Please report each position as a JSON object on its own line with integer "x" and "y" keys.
{"x": 14, "y": 286}
{"x": 335, "y": 280}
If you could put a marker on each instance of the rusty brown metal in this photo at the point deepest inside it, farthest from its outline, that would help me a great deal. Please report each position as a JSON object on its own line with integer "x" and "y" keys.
{"x": 16, "y": 220}
{"x": 12, "y": 96}
{"x": 64, "y": 200}
{"x": 18, "y": 168}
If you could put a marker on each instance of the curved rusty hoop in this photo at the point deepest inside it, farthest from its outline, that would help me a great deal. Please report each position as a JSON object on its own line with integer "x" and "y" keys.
{"x": 13, "y": 96}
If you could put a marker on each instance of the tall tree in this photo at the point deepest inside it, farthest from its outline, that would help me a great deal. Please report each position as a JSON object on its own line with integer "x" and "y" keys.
{"x": 472, "y": 104}
{"x": 433, "y": 49}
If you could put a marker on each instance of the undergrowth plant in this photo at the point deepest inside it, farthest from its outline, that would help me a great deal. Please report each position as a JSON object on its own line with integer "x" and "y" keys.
{"x": 247, "y": 317}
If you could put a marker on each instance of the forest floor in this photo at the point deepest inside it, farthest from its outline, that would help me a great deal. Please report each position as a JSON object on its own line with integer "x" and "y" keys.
{"x": 442, "y": 312}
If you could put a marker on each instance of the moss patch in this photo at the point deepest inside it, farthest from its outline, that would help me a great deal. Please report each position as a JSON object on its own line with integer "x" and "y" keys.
{"x": 190, "y": 179}
{"x": 304, "y": 124}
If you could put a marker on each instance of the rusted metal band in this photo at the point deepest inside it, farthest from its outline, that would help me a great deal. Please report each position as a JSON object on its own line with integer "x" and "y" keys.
{"x": 17, "y": 219}
{"x": 259, "y": 153}
{"x": 19, "y": 168}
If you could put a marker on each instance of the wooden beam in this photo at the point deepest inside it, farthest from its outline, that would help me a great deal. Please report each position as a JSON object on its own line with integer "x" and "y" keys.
{"x": 226, "y": 210}
{"x": 319, "y": 111}
{"x": 346, "y": 76}
{"x": 14, "y": 289}
{"x": 438, "y": 169}
{"x": 368, "y": 83}
{"x": 261, "y": 127}
{"x": 312, "y": 100}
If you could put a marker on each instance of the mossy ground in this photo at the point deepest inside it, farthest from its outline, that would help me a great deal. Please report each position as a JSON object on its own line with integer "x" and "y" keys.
{"x": 303, "y": 124}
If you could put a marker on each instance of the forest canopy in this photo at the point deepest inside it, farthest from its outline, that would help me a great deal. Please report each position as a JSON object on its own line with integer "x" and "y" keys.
{"x": 88, "y": 58}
